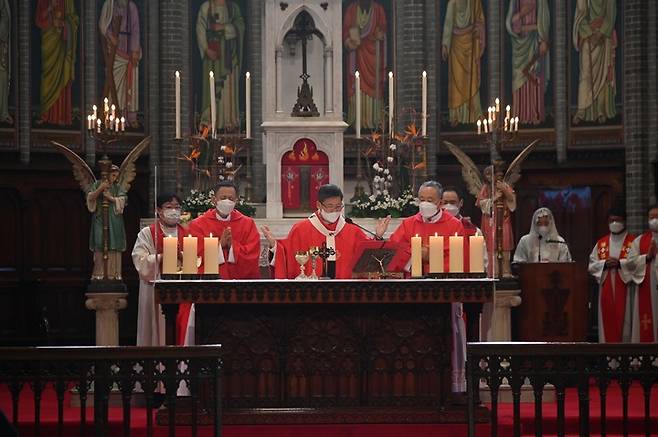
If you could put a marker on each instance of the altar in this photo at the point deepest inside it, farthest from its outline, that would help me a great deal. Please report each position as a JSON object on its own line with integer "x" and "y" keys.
{"x": 330, "y": 351}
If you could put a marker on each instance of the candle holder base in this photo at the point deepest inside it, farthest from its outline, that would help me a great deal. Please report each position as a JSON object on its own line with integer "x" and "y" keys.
{"x": 481, "y": 275}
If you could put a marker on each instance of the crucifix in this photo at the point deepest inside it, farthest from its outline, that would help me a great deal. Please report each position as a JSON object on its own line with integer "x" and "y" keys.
{"x": 303, "y": 30}
{"x": 325, "y": 252}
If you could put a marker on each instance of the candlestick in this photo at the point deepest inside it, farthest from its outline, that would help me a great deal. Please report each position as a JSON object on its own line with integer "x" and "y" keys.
{"x": 476, "y": 254}
{"x": 390, "y": 103}
{"x": 436, "y": 253}
{"x": 416, "y": 257}
{"x": 189, "y": 255}
{"x": 479, "y": 123}
{"x": 456, "y": 245}
{"x": 357, "y": 99}
{"x": 516, "y": 124}
{"x": 106, "y": 105}
{"x": 95, "y": 108}
{"x": 169, "y": 255}
{"x": 424, "y": 105}
{"x": 177, "y": 82}
{"x": 247, "y": 93}
{"x": 485, "y": 124}
{"x": 123, "y": 124}
{"x": 497, "y": 104}
{"x": 98, "y": 125}
{"x": 213, "y": 103}
{"x": 508, "y": 110}
{"x": 211, "y": 255}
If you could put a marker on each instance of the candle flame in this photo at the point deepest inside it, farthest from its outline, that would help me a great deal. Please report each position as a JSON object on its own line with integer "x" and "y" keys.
{"x": 390, "y": 75}
{"x": 356, "y": 73}
{"x": 424, "y": 73}
{"x": 211, "y": 235}
{"x": 436, "y": 234}
{"x": 177, "y": 73}
{"x": 417, "y": 235}
{"x": 247, "y": 75}
{"x": 189, "y": 235}
{"x": 211, "y": 74}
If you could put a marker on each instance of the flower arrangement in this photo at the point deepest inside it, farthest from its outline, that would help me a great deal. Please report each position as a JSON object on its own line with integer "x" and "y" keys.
{"x": 382, "y": 204}
{"x": 199, "y": 202}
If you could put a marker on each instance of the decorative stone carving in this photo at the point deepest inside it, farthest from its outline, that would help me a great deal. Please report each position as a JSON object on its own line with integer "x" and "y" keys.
{"x": 107, "y": 306}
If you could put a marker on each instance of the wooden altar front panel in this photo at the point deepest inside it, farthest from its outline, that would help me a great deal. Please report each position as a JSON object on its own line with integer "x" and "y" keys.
{"x": 329, "y": 344}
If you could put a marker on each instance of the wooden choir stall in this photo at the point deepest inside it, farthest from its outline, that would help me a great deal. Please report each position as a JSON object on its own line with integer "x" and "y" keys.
{"x": 331, "y": 350}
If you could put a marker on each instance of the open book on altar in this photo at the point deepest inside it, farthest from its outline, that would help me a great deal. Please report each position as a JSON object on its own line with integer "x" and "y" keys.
{"x": 373, "y": 259}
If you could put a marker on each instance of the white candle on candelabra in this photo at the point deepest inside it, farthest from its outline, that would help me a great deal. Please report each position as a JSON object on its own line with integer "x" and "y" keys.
{"x": 213, "y": 104}
{"x": 247, "y": 84}
{"x": 113, "y": 108}
{"x": 497, "y": 104}
{"x": 98, "y": 125}
{"x": 485, "y": 123}
{"x": 516, "y": 124}
{"x": 416, "y": 257}
{"x": 508, "y": 109}
{"x": 479, "y": 123}
{"x": 476, "y": 254}
{"x": 357, "y": 104}
{"x": 95, "y": 108}
{"x": 106, "y": 105}
{"x": 436, "y": 253}
{"x": 210, "y": 255}
{"x": 456, "y": 247}
{"x": 89, "y": 126}
{"x": 170, "y": 255}
{"x": 189, "y": 255}
{"x": 123, "y": 124}
{"x": 177, "y": 87}
{"x": 423, "y": 105}
{"x": 391, "y": 108}
{"x": 506, "y": 123}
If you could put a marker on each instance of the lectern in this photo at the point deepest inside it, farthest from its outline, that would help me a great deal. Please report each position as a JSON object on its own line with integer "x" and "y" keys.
{"x": 554, "y": 304}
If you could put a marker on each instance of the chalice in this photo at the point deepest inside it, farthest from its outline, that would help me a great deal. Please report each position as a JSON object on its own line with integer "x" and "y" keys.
{"x": 314, "y": 251}
{"x": 302, "y": 258}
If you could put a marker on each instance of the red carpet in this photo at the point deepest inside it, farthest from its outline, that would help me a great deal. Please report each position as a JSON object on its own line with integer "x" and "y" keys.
{"x": 138, "y": 423}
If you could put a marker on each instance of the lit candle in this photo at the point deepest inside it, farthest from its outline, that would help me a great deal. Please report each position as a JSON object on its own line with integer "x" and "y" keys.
{"x": 211, "y": 255}
{"x": 177, "y": 83}
{"x": 113, "y": 110}
{"x": 89, "y": 125}
{"x": 506, "y": 123}
{"x": 106, "y": 104}
{"x": 476, "y": 254}
{"x": 390, "y": 103}
{"x": 98, "y": 125}
{"x": 189, "y": 255}
{"x": 436, "y": 253}
{"x": 416, "y": 257}
{"x": 95, "y": 108}
{"x": 508, "y": 110}
{"x": 357, "y": 103}
{"x": 497, "y": 104}
{"x": 213, "y": 103}
{"x": 247, "y": 84}
{"x": 423, "y": 105}
{"x": 485, "y": 124}
{"x": 456, "y": 245}
{"x": 169, "y": 255}
{"x": 123, "y": 124}
{"x": 516, "y": 124}
{"x": 479, "y": 123}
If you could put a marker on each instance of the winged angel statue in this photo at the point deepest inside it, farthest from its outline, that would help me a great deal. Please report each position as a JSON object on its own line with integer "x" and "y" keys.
{"x": 106, "y": 198}
{"x": 494, "y": 192}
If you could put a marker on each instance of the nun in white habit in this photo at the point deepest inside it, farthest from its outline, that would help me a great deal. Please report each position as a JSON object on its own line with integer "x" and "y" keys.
{"x": 543, "y": 243}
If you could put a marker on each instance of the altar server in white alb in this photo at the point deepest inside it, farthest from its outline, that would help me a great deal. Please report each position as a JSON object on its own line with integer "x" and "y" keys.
{"x": 609, "y": 264}
{"x": 542, "y": 244}
{"x": 147, "y": 257}
{"x": 642, "y": 256}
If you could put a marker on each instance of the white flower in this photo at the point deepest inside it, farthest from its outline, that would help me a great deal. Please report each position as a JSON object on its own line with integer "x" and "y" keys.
{"x": 386, "y": 171}
{"x": 389, "y": 159}
{"x": 229, "y": 164}
{"x": 378, "y": 193}
{"x": 392, "y": 147}
{"x": 372, "y": 197}
{"x": 222, "y": 148}
{"x": 221, "y": 178}
{"x": 389, "y": 177}
{"x": 385, "y": 192}
{"x": 376, "y": 166}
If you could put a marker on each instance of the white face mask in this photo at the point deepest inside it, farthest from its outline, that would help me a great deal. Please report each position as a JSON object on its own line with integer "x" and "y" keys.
{"x": 616, "y": 227}
{"x": 543, "y": 230}
{"x": 653, "y": 224}
{"x": 427, "y": 209}
{"x": 171, "y": 216}
{"x": 330, "y": 217}
{"x": 225, "y": 207}
{"x": 451, "y": 209}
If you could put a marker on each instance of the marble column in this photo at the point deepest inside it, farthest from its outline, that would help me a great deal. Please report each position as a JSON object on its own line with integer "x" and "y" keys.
{"x": 279, "y": 80}
{"x": 107, "y": 306}
{"x": 496, "y": 322}
{"x": 328, "y": 80}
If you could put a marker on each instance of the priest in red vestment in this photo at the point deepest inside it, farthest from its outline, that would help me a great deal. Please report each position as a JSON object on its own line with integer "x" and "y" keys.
{"x": 239, "y": 240}
{"x": 326, "y": 225}
{"x": 430, "y": 220}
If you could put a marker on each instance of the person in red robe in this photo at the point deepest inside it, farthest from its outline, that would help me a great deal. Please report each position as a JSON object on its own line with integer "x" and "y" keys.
{"x": 430, "y": 220}
{"x": 326, "y": 225}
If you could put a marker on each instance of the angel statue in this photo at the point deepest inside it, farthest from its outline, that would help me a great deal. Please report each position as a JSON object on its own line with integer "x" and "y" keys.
{"x": 106, "y": 199}
{"x": 494, "y": 194}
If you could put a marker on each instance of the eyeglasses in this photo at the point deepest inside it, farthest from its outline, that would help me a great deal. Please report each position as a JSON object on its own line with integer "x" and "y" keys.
{"x": 333, "y": 208}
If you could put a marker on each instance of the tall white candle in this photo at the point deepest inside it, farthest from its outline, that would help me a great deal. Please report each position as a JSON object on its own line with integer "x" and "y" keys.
{"x": 213, "y": 104}
{"x": 416, "y": 257}
{"x": 177, "y": 105}
{"x": 423, "y": 105}
{"x": 247, "y": 93}
{"x": 436, "y": 253}
{"x": 391, "y": 108}
{"x": 476, "y": 254}
{"x": 479, "y": 123}
{"x": 95, "y": 108}
{"x": 210, "y": 255}
{"x": 357, "y": 98}
{"x": 456, "y": 245}
{"x": 170, "y": 256}
{"x": 497, "y": 104}
{"x": 189, "y": 255}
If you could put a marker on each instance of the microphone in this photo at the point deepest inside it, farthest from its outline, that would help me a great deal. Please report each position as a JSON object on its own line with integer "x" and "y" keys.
{"x": 351, "y": 222}
{"x": 556, "y": 241}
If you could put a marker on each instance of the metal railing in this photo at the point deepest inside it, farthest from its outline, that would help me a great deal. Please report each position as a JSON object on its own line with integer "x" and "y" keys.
{"x": 102, "y": 370}
{"x": 564, "y": 365}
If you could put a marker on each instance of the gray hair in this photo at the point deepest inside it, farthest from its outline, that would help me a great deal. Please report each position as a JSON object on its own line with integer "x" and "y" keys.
{"x": 432, "y": 184}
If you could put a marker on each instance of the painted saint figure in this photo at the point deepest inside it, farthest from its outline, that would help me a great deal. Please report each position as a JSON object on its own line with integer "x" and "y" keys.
{"x": 462, "y": 46}
{"x": 122, "y": 50}
{"x": 595, "y": 39}
{"x": 59, "y": 23}
{"x": 220, "y": 37}
{"x": 5, "y": 61}
{"x": 364, "y": 36}
{"x": 528, "y": 25}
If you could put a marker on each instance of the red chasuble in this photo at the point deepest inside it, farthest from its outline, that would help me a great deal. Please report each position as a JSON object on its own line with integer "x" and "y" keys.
{"x": 304, "y": 235}
{"x": 644, "y": 294}
{"x": 613, "y": 303}
{"x": 245, "y": 243}
{"x": 447, "y": 225}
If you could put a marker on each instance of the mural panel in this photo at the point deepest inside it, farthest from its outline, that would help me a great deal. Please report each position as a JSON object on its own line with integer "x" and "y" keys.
{"x": 463, "y": 62}
{"x": 367, "y": 48}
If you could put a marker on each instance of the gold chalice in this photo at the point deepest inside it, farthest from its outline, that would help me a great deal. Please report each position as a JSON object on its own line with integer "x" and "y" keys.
{"x": 302, "y": 258}
{"x": 314, "y": 251}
